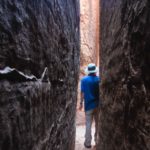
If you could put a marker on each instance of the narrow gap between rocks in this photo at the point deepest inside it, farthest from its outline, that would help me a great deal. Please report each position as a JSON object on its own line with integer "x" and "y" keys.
{"x": 89, "y": 53}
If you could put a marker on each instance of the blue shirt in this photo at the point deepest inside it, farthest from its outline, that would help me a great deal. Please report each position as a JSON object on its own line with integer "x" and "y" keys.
{"x": 90, "y": 88}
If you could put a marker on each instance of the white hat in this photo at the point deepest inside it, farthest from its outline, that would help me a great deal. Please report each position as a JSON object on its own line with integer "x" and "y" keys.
{"x": 91, "y": 68}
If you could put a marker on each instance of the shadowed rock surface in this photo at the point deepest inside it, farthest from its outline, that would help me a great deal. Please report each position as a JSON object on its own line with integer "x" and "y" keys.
{"x": 34, "y": 35}
{"x": 125, "y": 89}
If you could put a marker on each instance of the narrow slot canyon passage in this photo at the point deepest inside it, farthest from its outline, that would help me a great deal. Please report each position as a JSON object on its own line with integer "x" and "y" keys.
{"x": 45, "y": 46}
{"x": 89, "y": 53}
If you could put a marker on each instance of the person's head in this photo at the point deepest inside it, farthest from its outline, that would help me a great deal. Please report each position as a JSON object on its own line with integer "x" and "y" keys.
{"x": 91, "y": 69}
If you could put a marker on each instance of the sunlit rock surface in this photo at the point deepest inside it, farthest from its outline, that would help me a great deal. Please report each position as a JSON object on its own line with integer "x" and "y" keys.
{"x": 89, "y": 26}
{"x": 125, "y": 89}
{"x": 34, "y": 35}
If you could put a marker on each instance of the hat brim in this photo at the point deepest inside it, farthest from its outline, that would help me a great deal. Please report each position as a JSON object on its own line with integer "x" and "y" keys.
{"x": 91, "y": 71}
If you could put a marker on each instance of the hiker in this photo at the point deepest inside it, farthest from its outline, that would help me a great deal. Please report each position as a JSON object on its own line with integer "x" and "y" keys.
{"x": 90, "y": 97}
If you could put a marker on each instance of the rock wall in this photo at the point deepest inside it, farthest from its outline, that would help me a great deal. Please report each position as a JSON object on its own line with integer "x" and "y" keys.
{"x": 37, "y": 115}
{"x": 89, "y": 27}
{"x": 125, "y": 89}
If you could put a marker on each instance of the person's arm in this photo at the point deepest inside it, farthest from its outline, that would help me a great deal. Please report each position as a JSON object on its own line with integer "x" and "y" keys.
{"x": 81, "y": 94}
{"x": 81, "y": 101}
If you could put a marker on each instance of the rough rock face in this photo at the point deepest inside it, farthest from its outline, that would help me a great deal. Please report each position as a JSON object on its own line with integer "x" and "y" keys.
{"x": 89, "y": 27}
{"x": 34, "y": 35}
{"x": 125, "y": 89}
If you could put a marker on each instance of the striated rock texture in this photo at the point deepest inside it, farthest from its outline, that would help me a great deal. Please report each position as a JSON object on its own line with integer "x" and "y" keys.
{"x": 35, "y": 34}
{"x": 89, "y": 27}
{"x": 125, "y": 89}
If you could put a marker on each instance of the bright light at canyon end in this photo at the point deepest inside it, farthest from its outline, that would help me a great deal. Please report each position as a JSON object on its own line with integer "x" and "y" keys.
{"x": 89, "y": 29}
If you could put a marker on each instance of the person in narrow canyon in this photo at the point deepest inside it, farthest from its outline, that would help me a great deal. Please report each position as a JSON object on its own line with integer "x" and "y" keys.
{"x": 90, "y": 97}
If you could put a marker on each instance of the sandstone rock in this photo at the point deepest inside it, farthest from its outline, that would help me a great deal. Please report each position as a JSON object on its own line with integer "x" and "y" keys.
{"x": 125, "y": 89}
{"x": 34, "y": 35}
{"x": 89, "y": 28}
{"x": 11, "y": 74}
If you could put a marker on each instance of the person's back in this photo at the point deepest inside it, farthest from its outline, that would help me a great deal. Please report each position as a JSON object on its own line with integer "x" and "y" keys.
{"x": 90, "y": 88}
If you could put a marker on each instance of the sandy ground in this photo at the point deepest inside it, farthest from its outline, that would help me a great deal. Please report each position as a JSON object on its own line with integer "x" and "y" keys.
{"x": 80, "y": 132}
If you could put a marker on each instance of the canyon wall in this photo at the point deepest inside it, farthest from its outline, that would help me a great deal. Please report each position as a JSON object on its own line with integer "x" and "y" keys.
{"x": 125, "y": 88}
{"x": 38, "y": 114}
{"x": 89, "y": 27}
